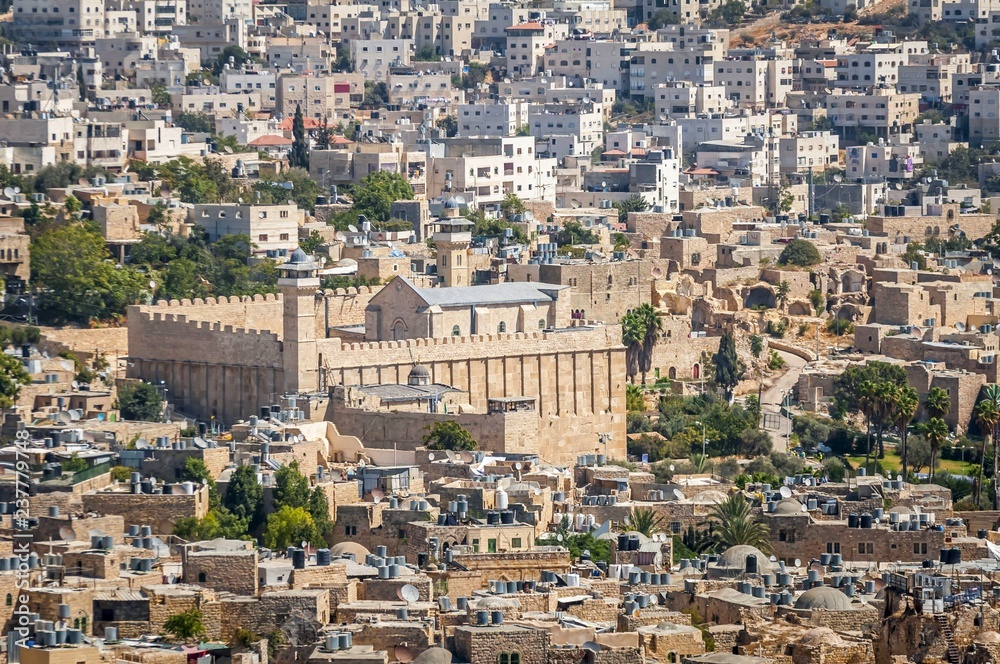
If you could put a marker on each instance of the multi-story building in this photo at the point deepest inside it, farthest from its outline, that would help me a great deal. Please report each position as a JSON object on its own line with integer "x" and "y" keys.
{"x": 810, "y": 150}
{"x": 755, "y": 82}
{"x": 318, "y": 96}
{"x": 300, "y": 54}
{"x": 984, "y": 115}
{"x": 881, "y": 110}
{"x": 878, "y": 163}
{"x": 63, "y": 23}
{"x": 654, "y": 63}
{"x": 501, "y": 119}
{"x": 220, "y": 11}
{"x": 682, "y": 99}
{"x": 272, "y": 228}
{"x": 212, "y": 38}
{"x": 245, "y": 81}
{"x": 485, "y": 170}
{"x": 526, "y": 45}
{"x": 374, "y": 57}
{"x": 569, "y": 129}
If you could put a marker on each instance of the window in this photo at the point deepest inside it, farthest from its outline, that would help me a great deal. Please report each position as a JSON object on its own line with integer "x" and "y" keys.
{"x": 202, "y": 577}
{"x": 541, "y": 323}
{"x": 350, "y": 530}
{"x": 515, "y": 542}
{"x": 491, "y": 546}
{"x": 833, "y": 547}
{"x": 10, "y": 599}
{"x": 509, "y": 658}
{"x": 283, "y": 236}
{"x": 456, "y": 332}
{"x": 502, "y": 327}
{"x": 920, "y": 548}
{"x": 262, "y": 237}
{"x": 866, "y": 548}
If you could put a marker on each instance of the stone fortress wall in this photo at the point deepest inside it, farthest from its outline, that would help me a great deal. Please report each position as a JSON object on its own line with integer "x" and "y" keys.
{"x": 222, "y": 358}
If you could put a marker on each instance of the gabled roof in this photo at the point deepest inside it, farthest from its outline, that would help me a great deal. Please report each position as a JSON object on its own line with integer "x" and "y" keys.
{"x": 270, "y": 140}
{"x": 505, "y": 293}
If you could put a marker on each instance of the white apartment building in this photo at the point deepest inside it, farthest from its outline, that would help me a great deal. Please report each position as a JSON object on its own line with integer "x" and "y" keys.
{"x": 219, "y": 11}
{"x": 272, "y": 228}
{"x": 485, "y": 170}
{"x": 243, "y": 129}
{"x": 654, "y": 63}
{"x": 935, "y": 140}
{"x": 723, "y": 127}
{"x": 984, "y": 116}
{"x": 328, "y": 18}
{"x": 212, "y": 38}
{"x": 878, "y": 163}
{"x": 816, "y": 150}
{"x": 502, "y": 119}
{"x": 245, "y": 81}
{"x": 527, "y": 43}
{"x": 490, "y": 31}
{"x": 373, "y": 58}
{"x": 318, "y": 96}
{"x": 158, "y": 17}
{"x": 755, "y": 83}
{"x": 681, "y": 99}
{"x": 570, "y": 129}
{"x": 882, "y": 110}
{"x": 63, "y": 23}
{"x": 300, "y": 54}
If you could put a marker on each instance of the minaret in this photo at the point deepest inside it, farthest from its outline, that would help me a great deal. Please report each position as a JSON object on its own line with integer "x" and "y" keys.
{"x": 452, "y": 240}
{"x": 299, "y": 282}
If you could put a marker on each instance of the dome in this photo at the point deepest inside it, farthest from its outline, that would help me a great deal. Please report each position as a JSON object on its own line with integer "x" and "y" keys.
{"x": 433, "y": 656}
{"x": 451, "y": 204}
{"x": 823, "y": 597}
{"x": 709, "y": 497}
{"x": 419, "y": 375}
{"x": 298, "y": 256}
{"x": 788, "y": 506}
{"x": 735, "y": 557}
{"x": 988, "y": 637}
{"x": 360, "y": 552}
{"x": 494, "y": 603}
{"x": 820, "y": 636}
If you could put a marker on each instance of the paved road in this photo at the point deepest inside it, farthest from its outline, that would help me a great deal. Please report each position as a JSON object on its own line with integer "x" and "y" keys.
{"x": 772, "y": 399}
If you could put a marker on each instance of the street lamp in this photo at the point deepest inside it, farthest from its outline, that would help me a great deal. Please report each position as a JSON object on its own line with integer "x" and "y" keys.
{"x": 703, "y": 439}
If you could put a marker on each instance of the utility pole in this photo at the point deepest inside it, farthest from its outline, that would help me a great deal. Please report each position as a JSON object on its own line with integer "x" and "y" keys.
{"x": 812, "y": 194}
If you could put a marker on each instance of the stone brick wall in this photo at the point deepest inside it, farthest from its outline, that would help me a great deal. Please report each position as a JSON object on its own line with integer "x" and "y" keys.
{"x": 223, "y": 571}
{"x": 273, "y": 610}
{"x": 161, "y": 511}
{"x": 167, "y": 464}
{"x": 386, "y": 635}
{"x": 387, "y": 590}
{"x": 482, "y": 645}
{"x": 315, "y": 576}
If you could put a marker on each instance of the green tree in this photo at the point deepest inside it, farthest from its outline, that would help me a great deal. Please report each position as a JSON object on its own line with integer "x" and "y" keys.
{"x": 661, "y": 18}
{"x": 817, "y": 300}
{"x": 799, "y": 252}
{"x": 245, "y": 496}
{"x": 74, "y": 464}
{"x": 185, "y": 625}
{"x": 378, "y": 192}
{"x": 634, "y": 203}
{"x": 159, "y": 95}
{"x": 987, "y": 416}
{"x": 646, "y": 521}
{"x": 991, "y": 394}
{"x": 311, "y": 244}
{"x": 781, "y": 293}
{"x": 937, "y": 403}
{"x": 511, "y": 205}
{"x": 935, "y": 430}
{"x": 289, "y": 526}
{"x": 231, "y": 55}
{"x": 291, "y": 487}
{"x": 449, "y": 125}
{"x": 733, "y": 524}
{"x": 426, "y": 54}
{"x": 13, "y": 376}
{"x": 298, "y": 157}
{"x": 915, "y": 254}
{"x": 121, "y": 473}
{"x": 449, "y": 435}
{"x": 728, "y": 368}
{"x": 641, "y": 329}
{"x": 76, "y": 279}
{"x": 907, "y": 403}
{"x": 195, "y": 122}
{"x": 218, "y": 523}
{"x": 573, "y": 233}
{"x": 140, "y": 401}
{"x": 634, "y": 401}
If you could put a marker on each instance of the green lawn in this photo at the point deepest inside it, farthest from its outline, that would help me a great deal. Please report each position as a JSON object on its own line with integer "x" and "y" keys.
{"x": 891, "y": 461}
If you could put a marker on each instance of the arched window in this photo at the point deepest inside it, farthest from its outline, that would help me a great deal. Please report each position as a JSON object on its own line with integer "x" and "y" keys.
{"x": 456, "y": 332}
{"x": 509, "y": 658}
{"x": 202, "y": 577}
{"x": 502, "y": 327}
{"x": 10, "y": 599}
{"x": 541, "y": 323}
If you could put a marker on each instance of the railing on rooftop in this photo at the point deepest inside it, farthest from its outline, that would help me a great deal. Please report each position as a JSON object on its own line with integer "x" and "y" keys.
{"x": 93, "y": 471}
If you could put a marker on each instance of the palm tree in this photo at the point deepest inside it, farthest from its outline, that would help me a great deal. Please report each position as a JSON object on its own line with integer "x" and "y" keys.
{"x": 641, "y": 328}
{"x": 646, "y": 521}
{"x": 867, "y": 404}
{"x": 907, "y": 403}
{"x": 937, "y": 403}
{"x": 987, "y": 415}
{"x": 699, "y": 463}
{"x": 886, "y": 396}
{"x": 992, "y": 394}
{"x": 733, "y": 524}
{"x": 936, "y": 432}
{"x": 781, "y": 293}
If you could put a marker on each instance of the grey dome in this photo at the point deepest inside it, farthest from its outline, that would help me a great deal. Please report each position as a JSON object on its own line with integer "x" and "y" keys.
{"x": 823, "y": 597}
{"x": 494, "y": 603}
{"x": 735, "y": 557}
{"x": 788, "y": 506}
{"x": 298, "y": 256}
{"x": 433, "y": 656}
{"x": 419, "y": 375}
{"x": 451, "y": 204}
{"x": 359, "y": 551}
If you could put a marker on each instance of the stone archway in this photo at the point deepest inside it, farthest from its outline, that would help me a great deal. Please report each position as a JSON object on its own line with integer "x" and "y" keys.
{"x": 760, "y": 295}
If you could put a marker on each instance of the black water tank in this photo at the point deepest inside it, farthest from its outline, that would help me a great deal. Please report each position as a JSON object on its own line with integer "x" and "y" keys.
{"x": 622, "y": 542}
{"x": 982, "y": 533}
{"x": 298, "y": 559}
{"x": 824, "y": 219}
{"x": 853, "y": 520}
{"x": 866, "y": 520}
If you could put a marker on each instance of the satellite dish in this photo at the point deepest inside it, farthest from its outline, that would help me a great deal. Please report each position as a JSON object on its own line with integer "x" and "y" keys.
{"x": 8, "y": 192}
{"x": 200, "y": 443}
{"x": 62, "y": 417}
{"x": 678, "y": 494}
{"x": 152, "y": 284}
{"x": 96, "y": 532}
{"x": 340, "y": 235}
{"x": 403, "y": 654}
{"x": 899, "y": 478}
{"x": 352, "y": 228}
{"x": 517, "y": 466}
{"x": 408, "y": 593}
{"x": 960, "y": 327}
{"x": 785, "y": 492}
{"x": 66, "y": 533}
{"x": 262, "y": 214}
{"x": 538, "y": 492}
{"x": 657, "y": 272}
{"x": 559, "y": 537}
{"x": 466, "y": 457}
{"x": 142, "y": 444}
{"x": 228, "y": 149}
{"x": 671, "y": 467}
{"x": 430, "y": 457}
{"x": 798, "y": 563}
{"x": 377, "y": 495}
{"x": 773, "y": 558}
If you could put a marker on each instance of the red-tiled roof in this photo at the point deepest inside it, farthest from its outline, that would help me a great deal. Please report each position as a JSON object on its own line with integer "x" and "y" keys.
{"x": 701, "y": 171}
{"x": 613, "y": 153}
{"x": 310, "y": 123}
{"x": 270, "y": 141}
{"x": 531, "y": 25}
